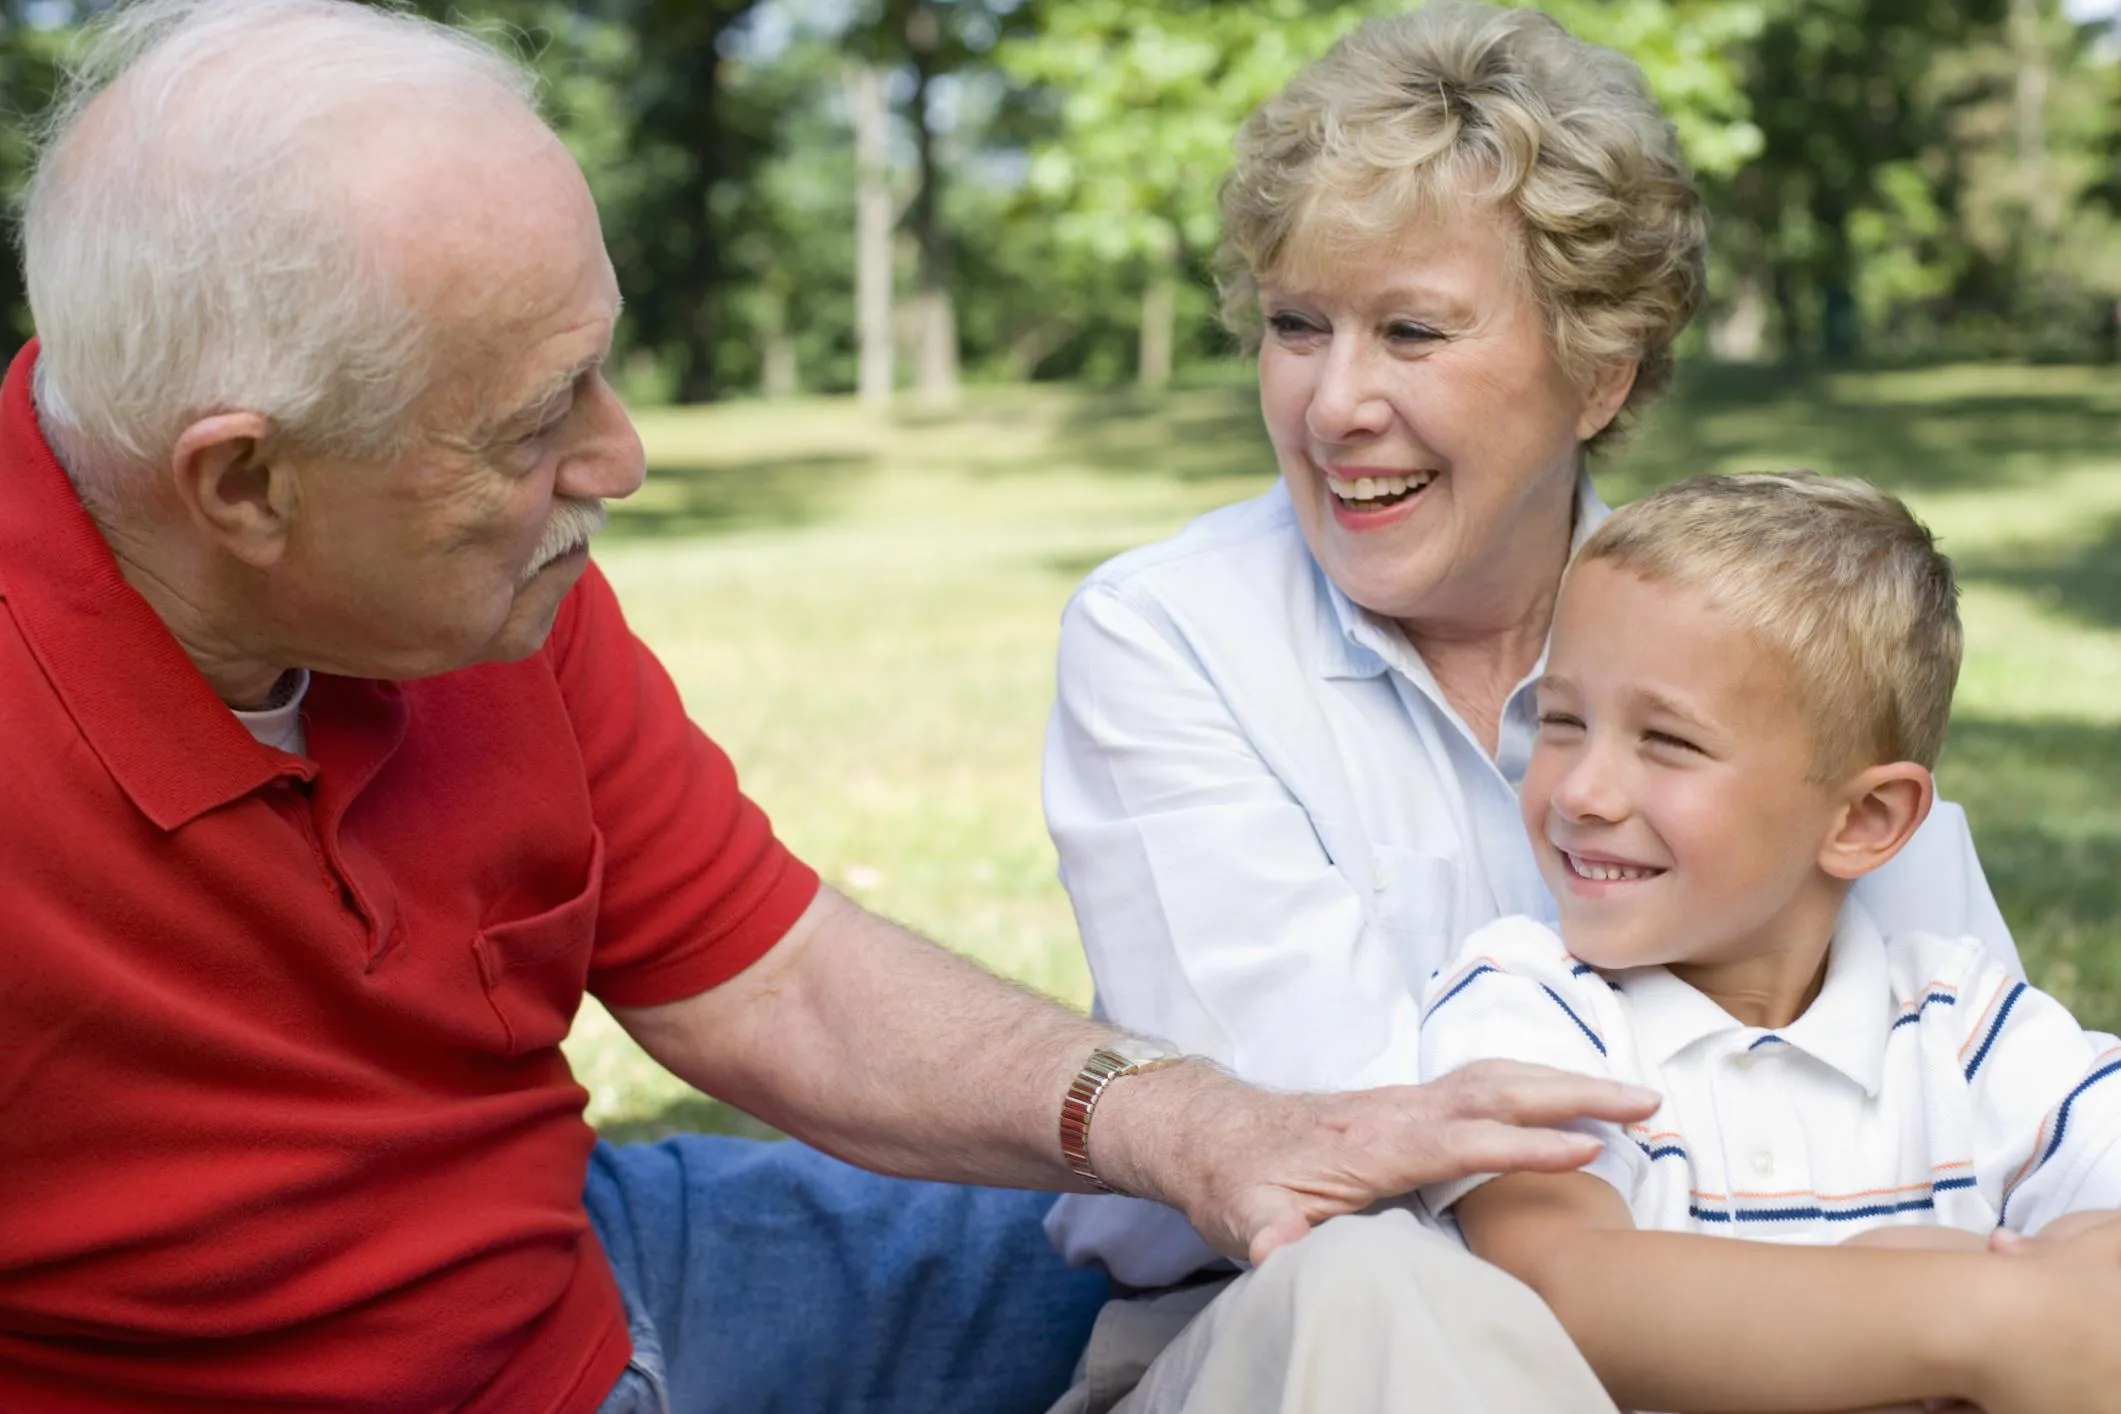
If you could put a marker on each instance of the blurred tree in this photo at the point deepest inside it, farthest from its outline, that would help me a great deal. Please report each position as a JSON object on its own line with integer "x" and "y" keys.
{"x": 1147, "y": 97}
{"x": 28, "y": 67}
{"x": 930, "y": 42}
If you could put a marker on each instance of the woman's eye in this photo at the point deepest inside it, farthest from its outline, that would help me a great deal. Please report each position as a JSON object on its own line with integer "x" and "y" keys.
{"x": 1291, "y": 326}
{"x": 1406, "y": 332}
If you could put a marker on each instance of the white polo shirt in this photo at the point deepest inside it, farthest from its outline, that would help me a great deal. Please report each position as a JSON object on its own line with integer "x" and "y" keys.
{"x": 1273, "y": 828}
{"x": 1925, "y": 1085}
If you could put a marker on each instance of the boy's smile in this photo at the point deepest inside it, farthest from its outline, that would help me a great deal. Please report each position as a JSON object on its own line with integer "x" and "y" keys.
{"x": 1670, "y": 796}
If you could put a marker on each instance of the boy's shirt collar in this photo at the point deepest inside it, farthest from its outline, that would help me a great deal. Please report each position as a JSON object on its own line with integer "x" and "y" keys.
{"x": 1845, "y": 1027}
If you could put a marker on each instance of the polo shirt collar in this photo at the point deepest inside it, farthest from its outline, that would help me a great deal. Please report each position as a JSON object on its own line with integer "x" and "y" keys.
{"x": 1848, "y": 1023}
{"x": 1844, "y": 1027}
{"x": 1360, "y": 644}
{"x": 139, "y": 701}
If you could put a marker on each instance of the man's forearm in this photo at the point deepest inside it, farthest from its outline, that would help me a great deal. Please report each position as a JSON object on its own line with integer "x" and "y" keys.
{"x": 880, "y": 1047}
{"x": 823, "y": 1038}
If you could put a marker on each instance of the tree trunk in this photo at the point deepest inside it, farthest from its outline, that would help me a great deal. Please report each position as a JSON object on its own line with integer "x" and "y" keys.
{"x": 872, "y": 234}
{"x": 2043, "y": 208}
{"x": 1739, "y": 334}
{"x": 1158, "y": 336}
{"x": 935, "y": 374}
{"x": 936, "y": 368}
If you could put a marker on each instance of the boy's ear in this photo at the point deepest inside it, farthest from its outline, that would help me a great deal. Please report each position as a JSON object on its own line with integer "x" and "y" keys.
{"x": 1880, "y": 810}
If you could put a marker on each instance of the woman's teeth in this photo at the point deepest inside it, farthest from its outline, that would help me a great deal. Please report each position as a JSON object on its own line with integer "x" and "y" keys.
{"x": 1367, "y": 491}
{"x": 1606, "y": 873}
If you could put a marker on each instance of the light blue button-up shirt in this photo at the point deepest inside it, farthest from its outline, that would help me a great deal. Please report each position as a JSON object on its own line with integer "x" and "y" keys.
{"x": 1274, "y": 827}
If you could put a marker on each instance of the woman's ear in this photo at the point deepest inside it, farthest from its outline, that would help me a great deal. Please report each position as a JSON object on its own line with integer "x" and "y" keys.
{"x": 1604, "y": 398}
{"x": 1880, "y": 810}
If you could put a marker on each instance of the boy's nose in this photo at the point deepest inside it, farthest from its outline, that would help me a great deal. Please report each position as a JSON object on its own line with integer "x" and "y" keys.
{"x": 1590, "y": 790}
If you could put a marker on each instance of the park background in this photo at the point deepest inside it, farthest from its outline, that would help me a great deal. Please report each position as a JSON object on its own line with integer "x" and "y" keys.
{"x": 919, "y": 330}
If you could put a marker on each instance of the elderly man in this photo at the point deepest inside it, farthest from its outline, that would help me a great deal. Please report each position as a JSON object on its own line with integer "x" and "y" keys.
{"x": 334, "y": 779}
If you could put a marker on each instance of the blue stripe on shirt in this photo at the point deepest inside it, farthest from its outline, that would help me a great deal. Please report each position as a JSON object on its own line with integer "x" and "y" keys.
{"x": 1580, "y": 1025}
{"x": 2061, "y": 1129}
{"x": 2003, "y": 1014}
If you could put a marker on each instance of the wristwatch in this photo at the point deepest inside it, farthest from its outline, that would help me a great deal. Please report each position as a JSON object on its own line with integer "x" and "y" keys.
{"x": 1131, "y": 1055}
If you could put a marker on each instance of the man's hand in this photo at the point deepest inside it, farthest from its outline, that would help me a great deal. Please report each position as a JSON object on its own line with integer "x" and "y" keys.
{"x": 1254, "y": 1170}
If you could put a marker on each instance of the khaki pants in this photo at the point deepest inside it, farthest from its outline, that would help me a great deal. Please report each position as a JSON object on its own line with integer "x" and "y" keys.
{"x": 1367, "y": 1315}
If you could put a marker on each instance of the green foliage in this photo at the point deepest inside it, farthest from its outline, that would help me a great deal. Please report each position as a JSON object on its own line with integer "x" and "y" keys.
{"x": 1896, "y": 178}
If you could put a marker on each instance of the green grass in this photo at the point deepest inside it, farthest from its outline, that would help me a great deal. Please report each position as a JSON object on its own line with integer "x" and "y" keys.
{"x": 862, "y": 611}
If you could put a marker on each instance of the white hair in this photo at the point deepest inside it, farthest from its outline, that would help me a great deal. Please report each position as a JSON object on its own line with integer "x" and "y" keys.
{"x": 187, "y": 252}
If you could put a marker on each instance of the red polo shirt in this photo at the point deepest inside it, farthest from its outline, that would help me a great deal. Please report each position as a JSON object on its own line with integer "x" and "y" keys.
{"x": 283, "y": 1119}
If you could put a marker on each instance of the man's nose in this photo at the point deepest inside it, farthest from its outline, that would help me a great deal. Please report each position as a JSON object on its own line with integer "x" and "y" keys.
{"x": 609, "y": 464}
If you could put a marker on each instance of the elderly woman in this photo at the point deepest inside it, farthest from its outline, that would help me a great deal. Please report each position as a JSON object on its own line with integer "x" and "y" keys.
{"x": 1282, "y": 765}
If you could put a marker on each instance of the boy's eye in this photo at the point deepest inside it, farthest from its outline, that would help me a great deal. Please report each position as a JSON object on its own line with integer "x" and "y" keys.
{"x": 1553, "y": 721}
{"x": 1677, "y": 743}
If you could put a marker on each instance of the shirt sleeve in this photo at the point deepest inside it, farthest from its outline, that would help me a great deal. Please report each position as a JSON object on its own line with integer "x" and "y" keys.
{"x": 1935, "y": 885}
{"x": 1208, "y": 908}
{"x": 1514, "y": 993}
{"x": 2047, "y": 1101}
{"x": 696, "y": 886}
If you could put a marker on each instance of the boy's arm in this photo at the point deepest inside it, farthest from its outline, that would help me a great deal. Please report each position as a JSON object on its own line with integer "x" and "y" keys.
{"x": 1700, "y": 1323}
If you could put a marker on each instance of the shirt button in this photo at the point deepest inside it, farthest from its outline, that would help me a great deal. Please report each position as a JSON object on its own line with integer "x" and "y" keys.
{"x": 1745, "y": 1060}
{"x": 1764, "y": 1163}
{"x": 1378, "y": 876}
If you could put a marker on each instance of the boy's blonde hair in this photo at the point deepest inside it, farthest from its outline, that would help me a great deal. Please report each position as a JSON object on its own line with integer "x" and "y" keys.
{"x": 1835, "y": 576}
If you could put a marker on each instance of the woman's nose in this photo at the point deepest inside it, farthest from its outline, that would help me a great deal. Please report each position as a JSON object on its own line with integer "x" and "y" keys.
{"x": 1348, "y": 402}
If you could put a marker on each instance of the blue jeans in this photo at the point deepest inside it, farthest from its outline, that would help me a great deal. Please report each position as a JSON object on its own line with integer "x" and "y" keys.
{"x": 763, "y": 1277}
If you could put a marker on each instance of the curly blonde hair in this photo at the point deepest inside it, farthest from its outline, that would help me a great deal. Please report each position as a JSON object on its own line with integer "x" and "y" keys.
{"x": 1459, "y": 102}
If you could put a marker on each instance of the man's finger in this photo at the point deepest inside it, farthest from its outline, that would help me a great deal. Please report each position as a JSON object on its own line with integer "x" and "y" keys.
{"x": 1534, "y": 1095}
{"x": 1472, "y": 1146}
{"x": 1288, "y": 1228}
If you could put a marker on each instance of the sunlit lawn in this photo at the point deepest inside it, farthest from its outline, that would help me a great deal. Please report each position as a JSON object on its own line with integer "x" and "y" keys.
{"x": 862, "y": 611}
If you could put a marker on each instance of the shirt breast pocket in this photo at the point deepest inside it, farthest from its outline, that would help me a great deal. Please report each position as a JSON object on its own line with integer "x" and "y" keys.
{"x": 1412, "y": 903}
{"x": 535, "y": 969}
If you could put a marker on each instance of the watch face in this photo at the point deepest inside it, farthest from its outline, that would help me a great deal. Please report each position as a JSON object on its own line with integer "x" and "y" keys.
{"x": 1142, "y": 1054}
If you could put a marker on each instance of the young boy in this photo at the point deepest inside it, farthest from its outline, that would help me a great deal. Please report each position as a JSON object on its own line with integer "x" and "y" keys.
{"x": 1748, "y": 683}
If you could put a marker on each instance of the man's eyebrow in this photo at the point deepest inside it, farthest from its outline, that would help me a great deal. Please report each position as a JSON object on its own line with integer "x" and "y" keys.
{"x": 533, "y": 410}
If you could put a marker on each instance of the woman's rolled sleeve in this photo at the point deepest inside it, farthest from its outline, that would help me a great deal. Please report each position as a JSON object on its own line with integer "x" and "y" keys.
{"x": 1210, "y": 911}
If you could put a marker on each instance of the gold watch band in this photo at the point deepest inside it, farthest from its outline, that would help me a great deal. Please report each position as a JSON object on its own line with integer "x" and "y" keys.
{"x": 1106, "y": 1064}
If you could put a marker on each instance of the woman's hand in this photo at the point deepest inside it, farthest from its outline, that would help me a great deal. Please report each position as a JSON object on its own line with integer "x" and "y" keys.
{"x": 1253, "y": 1170}
{"x": 2050, "y": 1348}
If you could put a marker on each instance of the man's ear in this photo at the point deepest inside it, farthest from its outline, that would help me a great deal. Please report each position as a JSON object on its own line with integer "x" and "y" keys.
{"x": 227, "y": 473}
{"x": 1881, "y": 809}
{"x": 1604, "y": 398}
